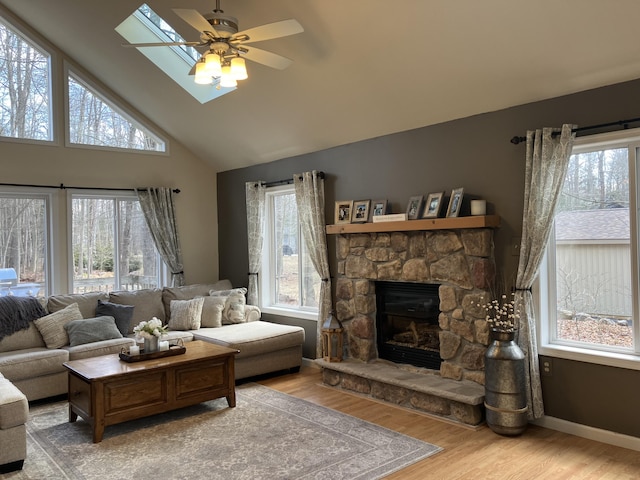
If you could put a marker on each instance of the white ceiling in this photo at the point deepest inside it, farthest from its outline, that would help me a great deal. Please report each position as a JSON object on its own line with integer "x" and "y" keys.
{"x": 362, "y": 68}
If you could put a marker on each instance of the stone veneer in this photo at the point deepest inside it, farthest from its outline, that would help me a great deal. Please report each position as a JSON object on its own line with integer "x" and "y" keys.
{"x": 461, "y": 261}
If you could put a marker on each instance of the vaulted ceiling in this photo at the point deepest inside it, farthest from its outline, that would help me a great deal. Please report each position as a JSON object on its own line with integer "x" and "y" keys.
{"x": 362, "y": 68}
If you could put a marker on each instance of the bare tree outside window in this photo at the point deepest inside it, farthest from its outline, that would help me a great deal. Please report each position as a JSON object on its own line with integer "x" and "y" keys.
{"x": 25, "y": 96}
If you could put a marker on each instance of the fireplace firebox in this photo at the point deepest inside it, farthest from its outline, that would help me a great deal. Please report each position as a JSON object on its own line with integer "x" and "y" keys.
{"x": 407, "y": 323}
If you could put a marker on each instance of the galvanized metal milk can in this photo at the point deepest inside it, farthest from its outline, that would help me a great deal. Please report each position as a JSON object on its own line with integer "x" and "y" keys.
{"x": 505, "y": 386}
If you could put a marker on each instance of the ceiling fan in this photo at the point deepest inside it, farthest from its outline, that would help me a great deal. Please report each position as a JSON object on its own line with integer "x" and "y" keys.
{"x": 226, "y": 47}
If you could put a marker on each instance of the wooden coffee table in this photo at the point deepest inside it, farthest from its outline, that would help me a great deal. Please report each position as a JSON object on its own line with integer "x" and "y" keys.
{"x": 105, "y": 390}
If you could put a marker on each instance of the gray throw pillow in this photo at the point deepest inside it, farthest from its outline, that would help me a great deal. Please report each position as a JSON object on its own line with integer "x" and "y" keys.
{"x": 89, "y": 330}
{"x": 121, "y": 313}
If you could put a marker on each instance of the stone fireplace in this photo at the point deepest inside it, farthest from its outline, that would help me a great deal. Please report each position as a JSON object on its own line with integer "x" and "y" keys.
{"x": 460, "y": 261}
{"x": 454, "y": 260}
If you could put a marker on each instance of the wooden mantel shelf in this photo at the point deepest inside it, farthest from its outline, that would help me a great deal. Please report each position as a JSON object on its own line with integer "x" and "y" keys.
{"x": 479, "y": 221}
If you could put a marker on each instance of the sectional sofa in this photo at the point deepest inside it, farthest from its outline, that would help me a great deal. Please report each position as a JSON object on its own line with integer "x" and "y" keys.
{"x": 102, "y": 323}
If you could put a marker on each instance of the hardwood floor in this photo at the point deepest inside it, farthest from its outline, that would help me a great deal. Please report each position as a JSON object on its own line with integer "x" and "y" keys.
{"x": 473, "y": 454}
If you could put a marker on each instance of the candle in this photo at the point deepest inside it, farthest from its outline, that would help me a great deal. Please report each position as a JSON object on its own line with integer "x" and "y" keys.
{"x": 478, "y": 207}
{"x": 163, "y": 345}
{"x": 134, "y": 350}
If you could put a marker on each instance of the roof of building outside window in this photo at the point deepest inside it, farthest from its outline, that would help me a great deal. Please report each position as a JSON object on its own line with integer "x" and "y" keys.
{"x": 603, "y": 224}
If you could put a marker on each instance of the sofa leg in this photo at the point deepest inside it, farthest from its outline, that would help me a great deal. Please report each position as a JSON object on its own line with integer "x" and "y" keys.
{"x": 294, "y": 369}
{"x": 11, "y": 467}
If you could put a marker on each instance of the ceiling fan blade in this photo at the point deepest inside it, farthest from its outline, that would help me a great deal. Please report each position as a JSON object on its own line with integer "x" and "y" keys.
{"x": 197, "y": 21}
{"x": 164, "y": 44}
{"x": 269, "y": 31}
{"x": 266, "y": 58}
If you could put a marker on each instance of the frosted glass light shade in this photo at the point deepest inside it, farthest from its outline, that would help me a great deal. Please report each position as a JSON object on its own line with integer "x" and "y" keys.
{"x": 227, "y": 80}
{"x": 212, "y": 61}
{"x": 238, "y": 68}
{"x": 202, "y": 77}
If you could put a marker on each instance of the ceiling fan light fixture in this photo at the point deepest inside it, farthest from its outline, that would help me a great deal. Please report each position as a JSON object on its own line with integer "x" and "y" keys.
{"x": 238, "y": 68}
{"x": 202, "y": 77}
{"x": 227, "y": 80}
{"x": 212, "y": 62}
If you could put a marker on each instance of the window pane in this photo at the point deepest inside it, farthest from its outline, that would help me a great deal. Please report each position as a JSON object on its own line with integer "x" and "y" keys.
{"x": 137, "y": 252}
{"x": 286, "y": 250}
{"x": 93, "y": 121}
{"x": 93, "y": 245}
{"x": 25, "y": 97}
{"x": 23, "y": 246}
{"x": 593, "y": 262}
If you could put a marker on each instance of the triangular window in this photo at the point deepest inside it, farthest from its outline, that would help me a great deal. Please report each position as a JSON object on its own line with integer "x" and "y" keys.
{"x": 93, "y": 120}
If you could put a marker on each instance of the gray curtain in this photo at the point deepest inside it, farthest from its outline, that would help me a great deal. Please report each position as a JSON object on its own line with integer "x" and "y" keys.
{"x": 159, "y": 213}
{"x": 309, "y": 188}
{"x": 255, "y": 195}
{"x": 546, "y": 166}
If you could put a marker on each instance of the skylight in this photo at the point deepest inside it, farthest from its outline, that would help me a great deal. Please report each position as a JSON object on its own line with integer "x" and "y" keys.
{"x": 146, "y": 26}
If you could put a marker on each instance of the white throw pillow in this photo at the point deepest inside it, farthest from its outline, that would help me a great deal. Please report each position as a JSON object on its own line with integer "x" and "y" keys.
{"x": 51, "y": 326}
{"x": 212, "y": 312}
{"x": 235, "y": 300}
{"x": 185, "y": 314}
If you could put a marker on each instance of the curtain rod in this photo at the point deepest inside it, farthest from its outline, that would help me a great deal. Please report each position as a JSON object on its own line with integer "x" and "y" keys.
{"x": 286, "y": 181}
{"x": 62, "y": 186}
{"x": 623, "y": 124}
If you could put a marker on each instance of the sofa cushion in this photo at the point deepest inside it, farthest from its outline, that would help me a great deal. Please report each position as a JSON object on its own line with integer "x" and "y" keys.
{"x": 188, "y": 292}
{"x": 89, "y": 330}
{"x": 14, "y": 408}
{"x": 32, "y": 362}
{"x": 185, "y": 314}
{"x": 253, "y": 338}
{"x": 147, "y": 304}
{"x": 51, "y": 326}
{"x": 122, "y": 314}
{"x": 28, "y": 338}
{"x": 104, "y": 347}
{"x": 212, "y": 308}
{"x": 86, "y": 302}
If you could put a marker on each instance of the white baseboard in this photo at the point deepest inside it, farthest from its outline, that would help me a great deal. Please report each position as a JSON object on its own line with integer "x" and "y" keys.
{"x": 592, "y": 433}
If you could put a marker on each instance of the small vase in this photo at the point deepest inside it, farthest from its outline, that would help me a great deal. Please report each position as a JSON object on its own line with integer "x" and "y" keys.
{"x": 505, "y": 385}
{"x": 151, "y": 344}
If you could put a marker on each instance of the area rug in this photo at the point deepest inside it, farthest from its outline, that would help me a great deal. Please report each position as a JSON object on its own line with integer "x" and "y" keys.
{"x": 268, "y": 435}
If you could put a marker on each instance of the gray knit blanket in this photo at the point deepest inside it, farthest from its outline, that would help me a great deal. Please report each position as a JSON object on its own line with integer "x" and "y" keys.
{"x": 16, "y": 313}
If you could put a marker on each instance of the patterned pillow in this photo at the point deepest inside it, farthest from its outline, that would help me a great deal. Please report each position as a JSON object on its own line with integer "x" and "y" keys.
{"x": 51, "y": 326}
{"x": 186, "y": 314}
{"x": 89, "y": 330}
{"x": 235, "y": 300}
{"x": 212, "y": 312}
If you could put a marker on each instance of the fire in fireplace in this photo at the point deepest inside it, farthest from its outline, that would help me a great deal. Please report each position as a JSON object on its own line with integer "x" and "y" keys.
{"x": 407, "y": 323}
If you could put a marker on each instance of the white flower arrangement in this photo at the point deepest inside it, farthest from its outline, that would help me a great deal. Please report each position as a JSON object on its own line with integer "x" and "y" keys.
{"x": 150, "y": 329}
{"x": 502, "y": 315}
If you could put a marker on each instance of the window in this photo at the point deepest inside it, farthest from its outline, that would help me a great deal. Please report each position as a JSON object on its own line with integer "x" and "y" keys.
{"x": 112, "y": 248}
{"x": 592, "y": 263}
{"x": 25, "y": 87}
{"x": 24, "y": 241}
{"x": 94, "y": 121}
{"x": 289, "y": 283}
{"x": 146, "y": 26}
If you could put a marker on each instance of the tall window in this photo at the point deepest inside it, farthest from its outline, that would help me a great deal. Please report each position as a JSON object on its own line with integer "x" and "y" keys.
{"x": 24, "y": 259}
{"x": 95, "y": 121}
{"x": 592, "y": 255}
{"x": 25, "y": 87}
{"x": 111, "y": 245}
{"x": 289, "y": 281}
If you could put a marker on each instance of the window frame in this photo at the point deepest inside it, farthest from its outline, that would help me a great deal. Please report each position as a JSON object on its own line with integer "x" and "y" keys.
{"x": 163, "y": 272}
{"x": 545, "y": 288}
{"x": 266, "y": 288}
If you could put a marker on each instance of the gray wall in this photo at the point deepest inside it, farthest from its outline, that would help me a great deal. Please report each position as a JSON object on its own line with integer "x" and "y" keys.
{"x": 474, "y": 153}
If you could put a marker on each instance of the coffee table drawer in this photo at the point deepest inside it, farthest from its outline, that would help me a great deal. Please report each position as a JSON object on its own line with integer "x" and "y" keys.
{"x": 135, "y": 391}
{"x": 204, "y": 378}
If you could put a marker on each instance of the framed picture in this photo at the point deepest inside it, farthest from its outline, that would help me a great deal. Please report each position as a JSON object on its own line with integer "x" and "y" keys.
{"x": 433, "y": 205}
{"x": 360, "y": 211}
{"x": 455, "y": 202}
{"x": 378, "y": 207}
{"x": 413, "y": 208}
{"x": 343, "y": 211}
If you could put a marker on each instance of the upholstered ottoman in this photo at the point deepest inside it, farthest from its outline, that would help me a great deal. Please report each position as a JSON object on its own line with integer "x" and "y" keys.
{"x": 14, "y": 411}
